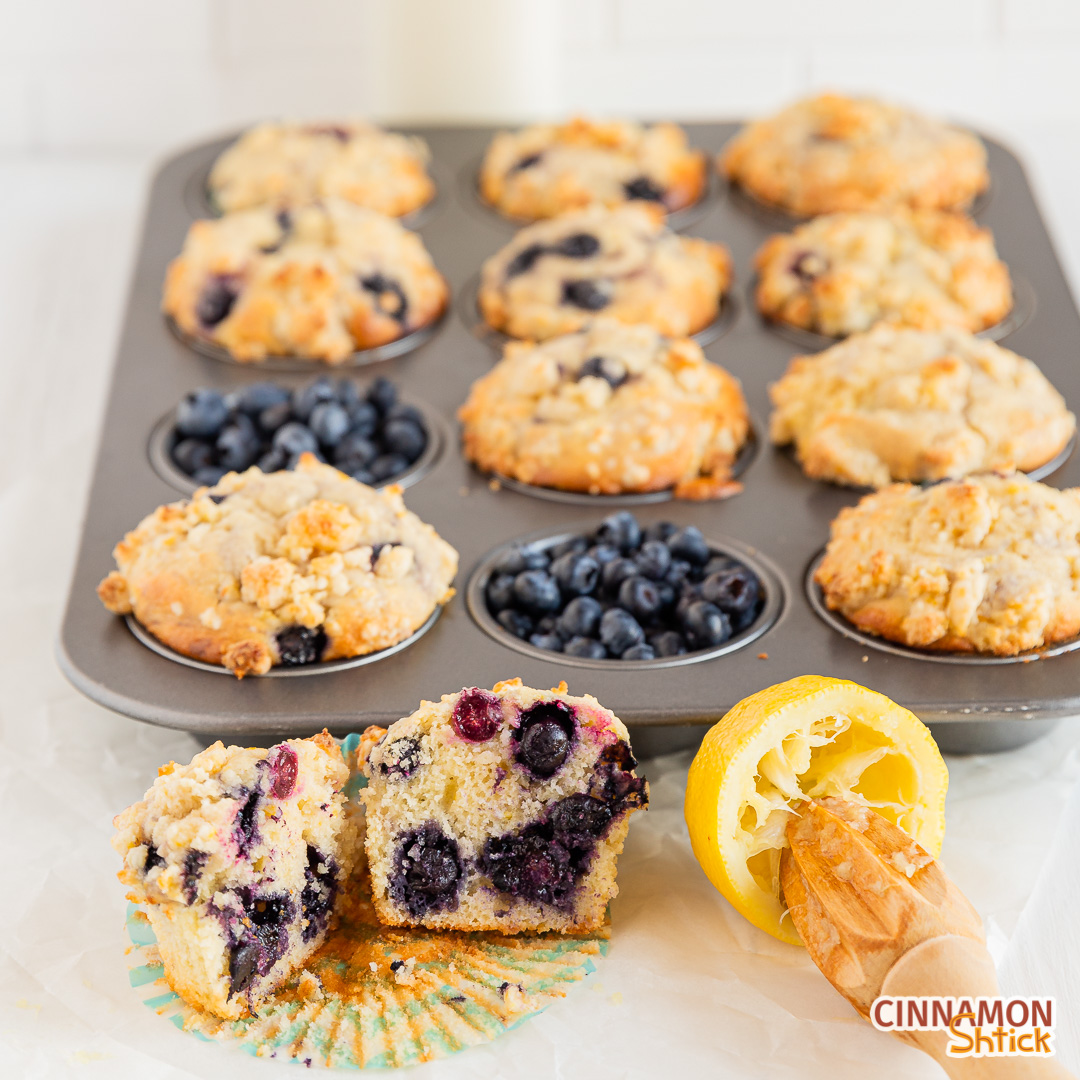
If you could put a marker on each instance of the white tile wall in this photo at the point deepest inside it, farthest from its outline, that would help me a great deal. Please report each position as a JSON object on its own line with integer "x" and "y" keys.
{"x": 147, "y": 74}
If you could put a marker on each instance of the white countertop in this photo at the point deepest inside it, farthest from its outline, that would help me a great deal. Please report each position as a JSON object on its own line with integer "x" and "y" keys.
{"x": 738, "y": 1004}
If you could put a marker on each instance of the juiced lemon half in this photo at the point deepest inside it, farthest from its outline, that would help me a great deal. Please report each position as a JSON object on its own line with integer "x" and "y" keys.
{"x": 805, "y": 738}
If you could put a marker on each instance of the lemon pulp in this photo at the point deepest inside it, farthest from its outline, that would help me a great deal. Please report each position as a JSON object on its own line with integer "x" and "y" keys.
{"x": 807, "y": 738}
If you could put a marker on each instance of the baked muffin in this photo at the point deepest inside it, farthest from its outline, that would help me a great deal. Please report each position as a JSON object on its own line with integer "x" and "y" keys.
{"x": 281, "y": 568}
{"x": 548, "y": 169}
{"x": 556, "y": 275}
{"x": 238, "y": 858}
{"x": 608, "y": 409}
{"x": 280, "y": 164}
{"x": 903, "y": 404}
{"x": 841, "y": 273}
{"x": 500, "y": 809}
{"x": 987, "y": 564}
{"x": 318, "y": 282}
{"x": 831, "y": 153}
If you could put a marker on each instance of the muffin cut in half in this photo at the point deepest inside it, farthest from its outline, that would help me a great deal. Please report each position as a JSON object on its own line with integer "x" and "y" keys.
{"x": 612, "y": 408}
{"x": 501, "y": 810}
{"x": 238, "y": 858}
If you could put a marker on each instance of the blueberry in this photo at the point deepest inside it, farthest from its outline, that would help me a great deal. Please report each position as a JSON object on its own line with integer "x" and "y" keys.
{"x": 678, "y": 573}
{"x": 578, "y": 820}
{"x": 306, "y": 397}
{"x": 261, "y": 395}
{"x": 580, "y": 618}
{"x": 668, "y": 594}
{"x": 577, "y": 246}
{"x": 517, "y": 558}
{"x": 348, "y": 394}
{"x": 706, "y": 625}
{"x": 401, "y": 411}
{"x": 529, "y": 866}
{"x": 245, "y": 826}
{"x": 390, "y": 298}
{"x": 329, "y": 421}
{"x": 354, "y": 452}
{"x": 654, "y": 559}
{"x": 808, "y": 266}
{"x": 194, "y": 861}
{"x": 208, "y": 475}
{"x": 400, "y": 758}
{"x": 689, "y": 544}
{"x": 201, "y": 414}
{"x": 404, "y": 437}
{"x": 364, "y": 418}
{"x": 318, "y": 893}
{"x": 382, "y": 393}
{"x": 733, "y": 591}
{"x": 477, "y": 715}
{"x": 586, "y": 647}
{"x": 548, "y": 624}
{"x": 515, "y": 622}
{"x": 576, "y": 574}
{"x": 641, "y": 187}
{"x": 526, "y": 162}
{"x": 362, "y": 476}
{"x": 215, "y": 301}
{"x": 275, "y": 416}
{"x": 386, "y": 466}
{"x": 537, "y": 591}
{"x": 295, "y": 438}
{"x": 615, "y": 573}
{"x": 619, "y": 631}
{"x": 272, "y": 460}
{"x": 300, "y": 644}
{"x": 660, "y": 530}
{"x": 549, "y": 642}
{"x": 282, "y": 763}
{"x": 545, "y": 737}
{"x": 576, "y": 544}
{"x": 499, "y": 591}
{"x": 427, "y": 871}
{"x": 640, "y": 597}
{"x": 639, "y": 652}
{"x": 603, "y": 553}
{"x": 668, "y": 643}
{"x": 621, "y": 530}
{"x": 585, "y": 295}
{"x": 613, "y": 372}
{"x": 153, "y": 858}
{"x": 238, "y": 446}
{"x": 524, "y": 260}
{"x": 190, "y": 455}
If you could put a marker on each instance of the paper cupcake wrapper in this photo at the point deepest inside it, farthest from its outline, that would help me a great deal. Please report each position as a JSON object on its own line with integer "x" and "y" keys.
{"x": 375, "y": 996}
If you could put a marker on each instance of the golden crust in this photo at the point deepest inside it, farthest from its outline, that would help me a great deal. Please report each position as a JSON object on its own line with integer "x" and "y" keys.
{"x": 841, "y": 273}
{"x": 673, "y": 421}
{"x": 834, "y": 153}
{"x": 581, "y": 162}
{"x": 902, "y": 404}
{"x": 986, "y": 564}
{"x": 291, "y": 164}
{"x": 297, "y": 283}
{"x": 217, "y": 580}
{"x": 645, "y": 273}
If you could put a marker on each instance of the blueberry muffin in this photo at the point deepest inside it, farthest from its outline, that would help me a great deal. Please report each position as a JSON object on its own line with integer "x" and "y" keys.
{"x": 548, "y": 169}
{"x": 987, "y": 564}
{"x": 500, "y": 809}
{"x": 556, "y": 275}
{"x": 841, "y": 273}
{"x": 831, "y": 153}
{"x": 608, "y": 409}
{"x": 238, "y": 858}
{"x": 317, "y": 282}
{"x": 902, "y": 404}
{"x": 281, "y": 568}
{"x": 290, "y": 164}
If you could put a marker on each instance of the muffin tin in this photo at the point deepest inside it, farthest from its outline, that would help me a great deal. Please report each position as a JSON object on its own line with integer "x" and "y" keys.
{"x": 780, "y": 521}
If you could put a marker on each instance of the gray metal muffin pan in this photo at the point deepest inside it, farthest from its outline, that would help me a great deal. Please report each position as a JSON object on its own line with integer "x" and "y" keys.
{"x": 781, "y": 517}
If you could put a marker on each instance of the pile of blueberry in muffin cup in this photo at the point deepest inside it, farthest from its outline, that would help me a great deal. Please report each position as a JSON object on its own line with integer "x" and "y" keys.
{"x": 367, "y": 433}
{"x": 623, "y": 592}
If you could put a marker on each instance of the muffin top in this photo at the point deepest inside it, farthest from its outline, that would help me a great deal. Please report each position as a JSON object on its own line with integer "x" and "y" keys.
{"x": 607, "y": 409}
{"x": 832, "y": 153}
{"x": 287, "y": 164}
{"x": 547, "y": 169}
{"x": 841, "y": 273}
{"x": 897, "y": 403}
{"x": 989, "y": 563}
{"x": 556, "y": 275}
